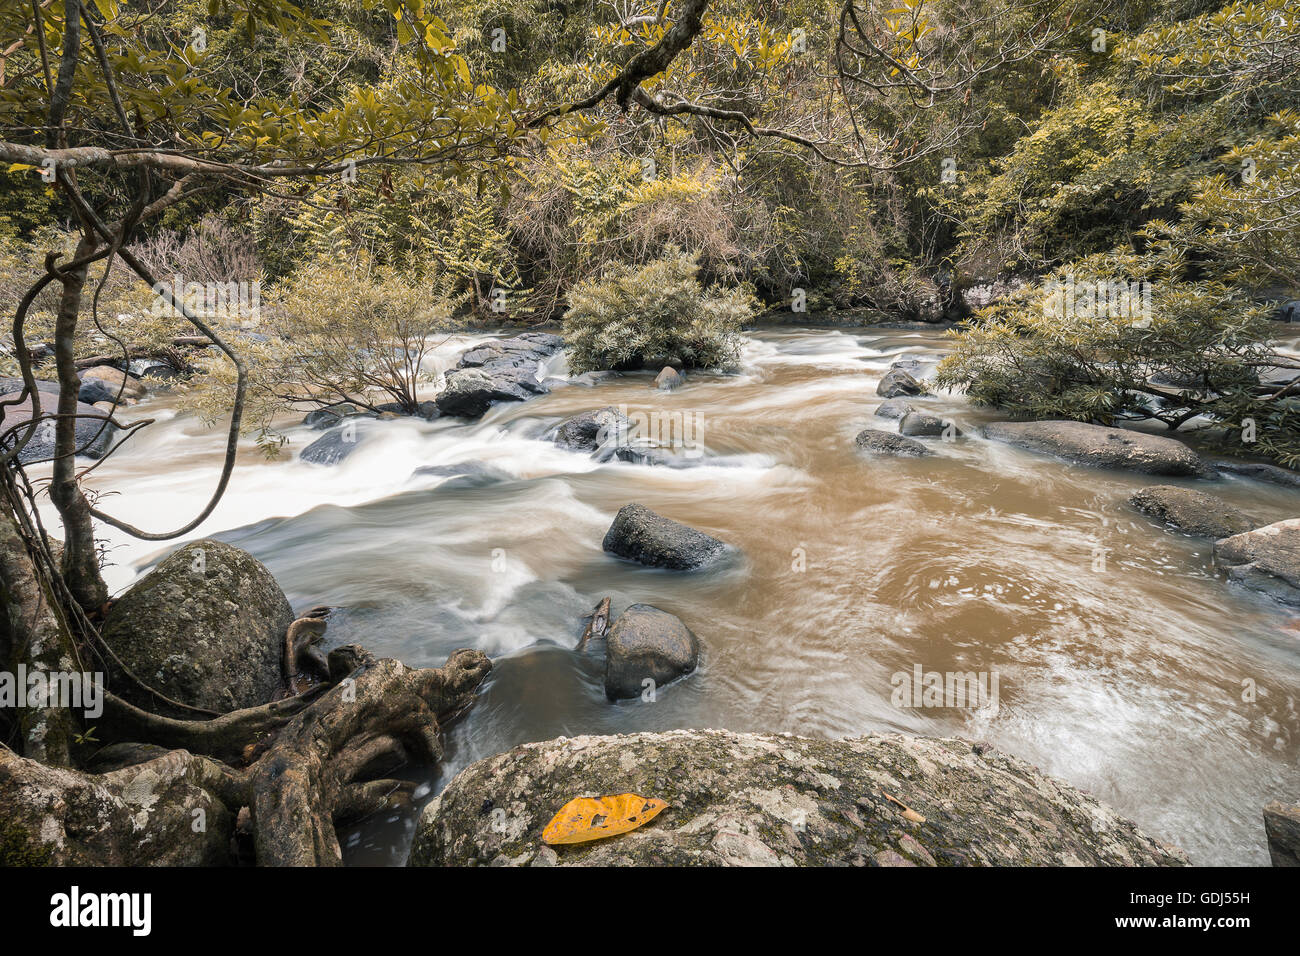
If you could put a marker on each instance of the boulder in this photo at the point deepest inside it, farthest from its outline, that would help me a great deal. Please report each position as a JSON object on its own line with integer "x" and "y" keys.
{"x": 668, "y": 378}
{"x": 1100, "y": 447}
{"x": 332, "y": 447}
{"x": 879, "y": 442}
{"x": 894, "y": 408}
{"x": 1194, "y": 512}
{"x": 205, "y": 627}
{"x": 1282, "y": 828}
{"x": 640, "y": 534}
{"x": 646, "y": 643}
{"x": 115, "y": 379}
{"x": 470, "y": 392}
{"x": 503, "y": 370}
{"x": 94, "y": 390}
{"x": 916, "y": 423}
{"x": 1266, "y": 559}
{"x": 427, "y": 410}
{"x": 780, "y": 800}
{"x": 94, "y": 437}
{"x": 983, "y": 293}
{"x": 587, "y": 431}
{"x": 13, "y": 385}
{"x": 321, "y": 418}
{"x": 898, "y": 382}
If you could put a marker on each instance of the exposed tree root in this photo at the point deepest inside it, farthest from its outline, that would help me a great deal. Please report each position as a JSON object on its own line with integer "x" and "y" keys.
{"x": 320, "y": 758}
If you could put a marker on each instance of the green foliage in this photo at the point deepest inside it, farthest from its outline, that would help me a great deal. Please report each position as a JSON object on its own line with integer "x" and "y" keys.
{"x": 654, "y": 313}
{"x": 334, "y": 332}
{"x": 1181, "y": 351}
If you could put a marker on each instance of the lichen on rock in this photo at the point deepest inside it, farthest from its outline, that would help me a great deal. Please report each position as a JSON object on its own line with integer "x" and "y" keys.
{"x": 780, "y": 800}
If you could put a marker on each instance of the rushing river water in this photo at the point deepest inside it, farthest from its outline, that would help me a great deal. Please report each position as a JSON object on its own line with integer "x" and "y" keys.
{"x": 1124, "y": 676}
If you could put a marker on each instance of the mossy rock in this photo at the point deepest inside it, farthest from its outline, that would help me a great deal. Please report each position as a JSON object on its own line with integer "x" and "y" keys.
{"x": 205, "y": 627}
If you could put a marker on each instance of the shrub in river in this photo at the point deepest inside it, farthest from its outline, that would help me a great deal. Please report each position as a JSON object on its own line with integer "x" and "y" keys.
{"x": 354, "y": 333}
{"x": 1073, "y": 347}
{"x": 634, "y": 316}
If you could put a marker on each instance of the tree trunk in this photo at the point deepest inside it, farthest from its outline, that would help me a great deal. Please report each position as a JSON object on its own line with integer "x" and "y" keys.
{"x": 80, "y": 560}
{"x": 33, "y": 637}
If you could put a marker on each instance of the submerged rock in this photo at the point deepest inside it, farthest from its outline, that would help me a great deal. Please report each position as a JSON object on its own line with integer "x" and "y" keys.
{"x": 879, "y": 442}
{"x": 1101, "y": 447}
{"x": 322, "y": 418}
{"x": 894, "y": 408}
{"x": 94, "y": 429}
{"x": 1266, "y": 559}
{"x": 761, "y": 799}
{"x": 640, "y": 534}
{"x": 1261, "y": 471}
{"x": 1194, "y": 512}
{"x": 332, "y": 447}
{"x": 897, "y": 382}
{"x": 206, "y": 627}
{"x": 646, "y": 643}
{"x": 465, "y": 474}
{"x": 668, "y": 378}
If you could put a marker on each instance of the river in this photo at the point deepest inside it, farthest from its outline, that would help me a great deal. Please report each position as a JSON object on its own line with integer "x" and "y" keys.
{"x": 1123, "y": 660}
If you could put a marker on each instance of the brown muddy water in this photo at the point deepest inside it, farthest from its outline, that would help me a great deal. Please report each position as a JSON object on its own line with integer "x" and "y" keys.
{"x": 1122, "y": 659}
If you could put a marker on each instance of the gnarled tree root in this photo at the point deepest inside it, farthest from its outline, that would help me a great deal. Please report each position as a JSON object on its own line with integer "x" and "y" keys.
{"x": 324, "y": 757}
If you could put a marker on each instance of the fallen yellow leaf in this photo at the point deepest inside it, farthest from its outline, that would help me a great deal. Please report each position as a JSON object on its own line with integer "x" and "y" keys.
{"x": 908, "y": 812}
{"x": 594, "y": 818}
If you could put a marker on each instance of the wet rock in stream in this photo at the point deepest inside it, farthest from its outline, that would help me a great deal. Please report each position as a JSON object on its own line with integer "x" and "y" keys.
{"x": 1193, "y": 512}
{"x": 504, "y": 370}
{"x": 1101, "y": 447}
{"x": 641, "y": 535}
{"x": 1266, "y": 559}
{"x": 647, "y": 644}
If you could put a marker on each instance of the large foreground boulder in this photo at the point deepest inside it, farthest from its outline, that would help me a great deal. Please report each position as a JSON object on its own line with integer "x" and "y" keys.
{"x": 750, "y": 799}
{"x": 640, "y": 534}
{"x": 1102, "y": 447}
{"x": 1194, "y": 512}
{"x": 206, "y": 627}
{"x": 95, "y": 430}
{"x": 1266, "y": 559}
{"x": 646, "y": 643}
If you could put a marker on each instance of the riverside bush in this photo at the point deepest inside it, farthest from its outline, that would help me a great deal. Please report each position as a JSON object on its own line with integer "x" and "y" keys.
{"x": 637, "y": 315}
